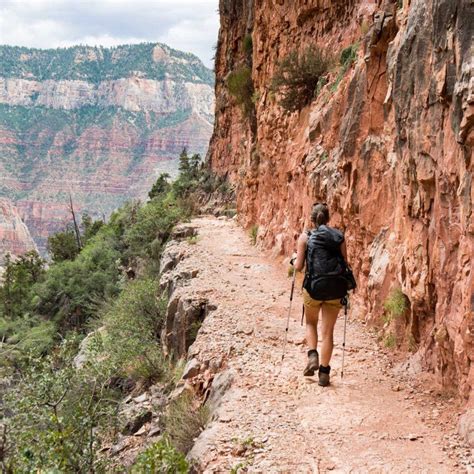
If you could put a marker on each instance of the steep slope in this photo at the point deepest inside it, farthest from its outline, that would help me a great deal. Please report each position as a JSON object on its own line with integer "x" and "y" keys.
{"x": 99, "y": 123}
{"x": 387, "y": 143}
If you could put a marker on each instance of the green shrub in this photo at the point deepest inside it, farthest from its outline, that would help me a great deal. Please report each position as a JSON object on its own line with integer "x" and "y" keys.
{"x": 54, "y": 412}
{"x": 192, "y": 240}
{"x": 161, "y": 186}
{"x": 160, "y": 457}
{"x": 253, "y": 233}
{"x": 297, "y": 76}
{"x": 152, "y": 227}
{"x": 63, "y": 246}
{"x": 18, "y": 279}
{"x": 390, "y": 341}
{"x": 132, "y": 326}
{"x": 240, "y": 86}
{"x": 23, "y": 338}
{"x": 247, "y": 45}
{"x": 71, "y": 289}
{"x": 396, "y": 303}
{"x": 348, "y": 56}
{"x": 184, "y": 421}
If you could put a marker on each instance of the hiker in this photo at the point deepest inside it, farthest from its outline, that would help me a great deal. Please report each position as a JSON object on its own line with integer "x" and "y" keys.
{"x": 321, "y": 249}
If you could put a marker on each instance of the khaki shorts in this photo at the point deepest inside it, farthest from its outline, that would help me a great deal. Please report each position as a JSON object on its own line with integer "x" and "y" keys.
{"x": 311, "y": 303}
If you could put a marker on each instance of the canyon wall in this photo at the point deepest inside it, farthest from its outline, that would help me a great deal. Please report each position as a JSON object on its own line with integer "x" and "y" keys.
{"x": 387, "y": 143}
{"x": 14, "y": 235}
{"x": 99, "y": 123}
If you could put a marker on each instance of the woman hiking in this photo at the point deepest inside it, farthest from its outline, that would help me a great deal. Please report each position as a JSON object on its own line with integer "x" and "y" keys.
{"x": 321, "y": 250}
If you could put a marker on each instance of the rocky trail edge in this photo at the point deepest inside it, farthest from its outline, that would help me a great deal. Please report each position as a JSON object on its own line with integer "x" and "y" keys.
{"x": 375, "y": 419}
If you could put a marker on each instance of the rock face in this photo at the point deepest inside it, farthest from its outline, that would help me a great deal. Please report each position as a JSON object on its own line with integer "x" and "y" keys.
{"x": 14, "y": 235}
{"x": 387, "y": 143}
{"x": 185, "y": 310}
{"x": 99, "y": 123}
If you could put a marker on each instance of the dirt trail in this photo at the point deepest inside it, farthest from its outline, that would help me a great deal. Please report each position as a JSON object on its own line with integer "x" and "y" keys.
{"x": 371, "y": 421}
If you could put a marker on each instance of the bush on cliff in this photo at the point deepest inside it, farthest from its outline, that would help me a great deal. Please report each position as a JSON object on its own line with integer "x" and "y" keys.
{"x": 18, "y": 279}
{"x": 130, "y": 333}
{"x": 240, "y": 86}
{"x": 159, "y": 457}
{"x": 63, "y": 246}
{"x": 297, "y": 76}
{"x": 55, "y": 415}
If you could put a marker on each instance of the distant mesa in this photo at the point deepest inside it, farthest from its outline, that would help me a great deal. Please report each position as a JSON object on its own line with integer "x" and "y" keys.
{"x": 99, "y": 122}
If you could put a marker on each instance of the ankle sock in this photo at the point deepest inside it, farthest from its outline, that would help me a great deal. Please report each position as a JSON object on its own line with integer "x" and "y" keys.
{"x": 325, "y": 370}
{"x": 312, "y": 351}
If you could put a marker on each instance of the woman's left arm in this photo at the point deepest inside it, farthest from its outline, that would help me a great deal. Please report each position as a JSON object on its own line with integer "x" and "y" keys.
{"x": 344, "y": 251}
{"x": 301, "y": 252}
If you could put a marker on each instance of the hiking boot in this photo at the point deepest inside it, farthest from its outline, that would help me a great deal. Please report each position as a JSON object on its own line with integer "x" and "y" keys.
{"x": 313, "y": 363}
{"x": 324, "y": 375}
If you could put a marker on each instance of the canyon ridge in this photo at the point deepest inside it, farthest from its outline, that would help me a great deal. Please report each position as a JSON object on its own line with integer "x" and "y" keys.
{"x": 99, "y": 123}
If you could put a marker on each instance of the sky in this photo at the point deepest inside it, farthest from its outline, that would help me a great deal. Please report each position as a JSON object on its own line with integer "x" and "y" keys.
{"x": 187, "y": 25}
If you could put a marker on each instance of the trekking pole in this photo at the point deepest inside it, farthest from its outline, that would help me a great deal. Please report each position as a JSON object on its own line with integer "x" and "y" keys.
{"x": 288, "y": 318}
{"x": 346, "y": 302}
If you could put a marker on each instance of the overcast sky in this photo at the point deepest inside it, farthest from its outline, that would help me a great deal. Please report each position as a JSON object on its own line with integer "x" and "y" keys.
{"x": 187, "y": 25}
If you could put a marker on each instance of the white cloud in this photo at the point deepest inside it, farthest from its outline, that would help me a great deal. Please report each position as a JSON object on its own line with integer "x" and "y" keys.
{"x": 188, "y": 25}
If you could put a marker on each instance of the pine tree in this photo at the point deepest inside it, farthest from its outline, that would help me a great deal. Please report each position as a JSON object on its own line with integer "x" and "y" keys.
{"x": 184, "y": 167}
{"x": 195, "y": 163}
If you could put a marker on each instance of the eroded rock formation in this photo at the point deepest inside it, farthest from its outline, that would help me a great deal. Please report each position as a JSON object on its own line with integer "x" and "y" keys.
{"x": 14, "y": 235}
{"x": 387, "y": 143}
{"x": 99, "y": 123}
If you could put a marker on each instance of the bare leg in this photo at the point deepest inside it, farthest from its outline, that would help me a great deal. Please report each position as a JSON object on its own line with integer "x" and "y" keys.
{"x": 329, "y": 318}
{"x": 312, "y": 327}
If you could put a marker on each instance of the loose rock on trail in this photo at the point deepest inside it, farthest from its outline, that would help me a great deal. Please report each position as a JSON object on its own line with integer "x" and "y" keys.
{"x": 267, "y": 420}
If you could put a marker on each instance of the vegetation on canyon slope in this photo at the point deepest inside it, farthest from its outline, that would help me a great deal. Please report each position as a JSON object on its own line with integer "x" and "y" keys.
{"x": 96, "y": 63}
{"x": 298, "y": 75}
{"x": 58, "y": 411}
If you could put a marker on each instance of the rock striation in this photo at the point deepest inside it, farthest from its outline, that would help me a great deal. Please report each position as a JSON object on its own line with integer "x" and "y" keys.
{"x": 387, "y": 143}
{"x": 101, "y": 123}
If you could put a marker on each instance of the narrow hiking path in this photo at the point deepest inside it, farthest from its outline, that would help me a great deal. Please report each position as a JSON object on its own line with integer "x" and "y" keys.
{"x": 283, "y": 422}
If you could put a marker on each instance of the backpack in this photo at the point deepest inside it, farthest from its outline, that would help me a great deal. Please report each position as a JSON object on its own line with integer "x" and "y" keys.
{"x": 328, "y": 277}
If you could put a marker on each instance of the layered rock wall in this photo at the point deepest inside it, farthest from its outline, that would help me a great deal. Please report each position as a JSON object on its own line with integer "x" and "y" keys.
{"x": 98, "y": 123}
{"x": 387, "y": 143}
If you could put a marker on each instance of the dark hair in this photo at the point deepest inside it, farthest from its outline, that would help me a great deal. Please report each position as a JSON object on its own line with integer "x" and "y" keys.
{"x": 320, "y": 213}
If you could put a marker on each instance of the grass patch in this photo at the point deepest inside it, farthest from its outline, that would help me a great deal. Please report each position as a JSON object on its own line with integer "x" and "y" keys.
{"x": 184, "y": 421}
{"x": 396, "y": 303}
{"x": 253, "y": 233}
{"x": 240, "y": 86}
{"x": 192, "y": 240}
{"x": 348, "y": 56}
{"x": 390, "y": 341}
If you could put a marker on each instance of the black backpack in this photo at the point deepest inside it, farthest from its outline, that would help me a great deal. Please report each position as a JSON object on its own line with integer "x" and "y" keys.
{"x": 328, "y": 277}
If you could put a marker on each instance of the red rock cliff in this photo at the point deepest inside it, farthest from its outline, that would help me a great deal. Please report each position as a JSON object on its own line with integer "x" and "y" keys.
{"x": 388, "y": 147}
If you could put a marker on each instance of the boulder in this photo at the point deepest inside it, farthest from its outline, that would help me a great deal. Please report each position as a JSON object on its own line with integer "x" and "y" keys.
{"x": 466, "y": 427}
{"x": 192, "y": 369}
